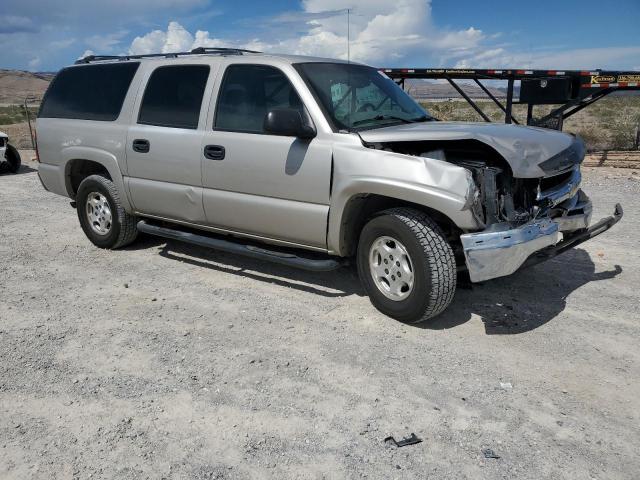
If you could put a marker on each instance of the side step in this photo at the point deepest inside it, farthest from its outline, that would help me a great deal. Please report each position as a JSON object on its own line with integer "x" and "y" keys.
{"x": 283, "y": 258}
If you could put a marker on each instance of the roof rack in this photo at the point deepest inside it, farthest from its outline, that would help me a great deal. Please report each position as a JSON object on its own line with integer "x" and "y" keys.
{"x": 195, "y": 51}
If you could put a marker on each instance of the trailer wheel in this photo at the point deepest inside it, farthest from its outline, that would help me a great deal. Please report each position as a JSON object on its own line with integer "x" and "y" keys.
{"x": 12, "y": 156}
{"x": 102, "y": 216}
{"x": 406, "y": 265}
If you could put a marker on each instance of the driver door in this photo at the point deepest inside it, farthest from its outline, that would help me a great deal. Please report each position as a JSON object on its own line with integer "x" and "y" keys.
{"x": 258, "y": 184}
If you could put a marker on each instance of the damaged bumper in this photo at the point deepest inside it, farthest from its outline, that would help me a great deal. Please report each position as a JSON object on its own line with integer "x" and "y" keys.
{"x": 502, "y": 249}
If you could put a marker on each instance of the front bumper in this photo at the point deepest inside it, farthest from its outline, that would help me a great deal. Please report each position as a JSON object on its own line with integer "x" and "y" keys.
{"x": 502, "y": 249}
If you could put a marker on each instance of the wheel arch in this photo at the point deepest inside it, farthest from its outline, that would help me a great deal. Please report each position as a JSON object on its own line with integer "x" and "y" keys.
{"x": 78, "y": 169}
{"x": 362, "y": 207}
{"x": 81, "y": 162}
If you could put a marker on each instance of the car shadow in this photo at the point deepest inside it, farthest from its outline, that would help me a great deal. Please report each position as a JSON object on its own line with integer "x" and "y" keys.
{"x": 5, "y": 170}
{"x": 516, "y": 304}
{"x": 525, "y": 300}
{"x": 338, "y": 283}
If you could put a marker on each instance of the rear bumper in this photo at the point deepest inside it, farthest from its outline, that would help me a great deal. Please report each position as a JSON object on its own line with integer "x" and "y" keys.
{"x": 52, "y": 178}
{"x": 502, "y": 249}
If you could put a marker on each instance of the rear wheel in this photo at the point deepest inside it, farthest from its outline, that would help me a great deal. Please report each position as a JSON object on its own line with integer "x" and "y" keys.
{"x": 101, "y": 214}
{"x": 406, "y": 265}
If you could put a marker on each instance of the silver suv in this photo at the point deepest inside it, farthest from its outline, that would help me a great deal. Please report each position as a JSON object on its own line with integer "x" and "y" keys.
{"x": 277, "y": 157}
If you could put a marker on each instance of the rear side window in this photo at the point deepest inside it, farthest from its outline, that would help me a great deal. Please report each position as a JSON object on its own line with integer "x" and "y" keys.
{"x": 248, "y": 92}
{"x": 173, "y": 96}
{"x": 89, "y": 92}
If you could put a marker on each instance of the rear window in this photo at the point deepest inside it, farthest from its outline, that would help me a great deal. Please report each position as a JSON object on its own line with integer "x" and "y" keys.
{"x": 91, "y": 92}
{"x": 173, "y": 96}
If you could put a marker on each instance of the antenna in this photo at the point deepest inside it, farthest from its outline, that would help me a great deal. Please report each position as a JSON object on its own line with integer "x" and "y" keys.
{"x": 348, "y": 35}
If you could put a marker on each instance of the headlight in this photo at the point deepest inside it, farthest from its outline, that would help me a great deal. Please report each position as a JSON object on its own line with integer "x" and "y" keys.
{"x": 566, "y": 158}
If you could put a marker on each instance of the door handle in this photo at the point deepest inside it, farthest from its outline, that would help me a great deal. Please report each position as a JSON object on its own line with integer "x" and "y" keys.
{"x": 214, "y": 152}
{"x": 141, "y": 145}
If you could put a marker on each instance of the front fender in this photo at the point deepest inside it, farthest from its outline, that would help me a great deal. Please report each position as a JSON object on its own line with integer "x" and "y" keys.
{"x": 104, "y": 158}
{"x": 435, "y": 184}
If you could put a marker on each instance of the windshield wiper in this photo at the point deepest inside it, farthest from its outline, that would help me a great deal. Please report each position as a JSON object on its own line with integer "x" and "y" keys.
{"x": 423, "y": 118}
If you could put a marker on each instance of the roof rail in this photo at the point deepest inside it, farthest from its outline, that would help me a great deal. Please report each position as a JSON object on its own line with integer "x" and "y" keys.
{"x": 195, "y": 51}
{"x": 222, "y": 51}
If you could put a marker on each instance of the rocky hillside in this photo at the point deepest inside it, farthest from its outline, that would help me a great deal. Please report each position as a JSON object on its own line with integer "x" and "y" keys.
{"x": 16, "y": 85}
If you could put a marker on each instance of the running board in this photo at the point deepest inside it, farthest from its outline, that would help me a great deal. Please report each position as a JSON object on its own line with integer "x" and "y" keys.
{"x": 283, "y": 258}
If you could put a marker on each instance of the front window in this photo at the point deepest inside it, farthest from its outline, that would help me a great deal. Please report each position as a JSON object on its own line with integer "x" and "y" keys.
{"x": 247, "y": 94}
{"x": 357, "y": 97}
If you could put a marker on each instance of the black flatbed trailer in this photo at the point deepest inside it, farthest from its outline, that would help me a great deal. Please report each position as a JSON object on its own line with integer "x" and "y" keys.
{"x": 571, "y": 90}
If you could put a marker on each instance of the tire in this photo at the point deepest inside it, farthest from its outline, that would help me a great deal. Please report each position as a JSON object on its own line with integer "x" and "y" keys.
{"x": 429, "y": 265}
{"x": 108, "y": 225}
{"x": 13, "y": 158}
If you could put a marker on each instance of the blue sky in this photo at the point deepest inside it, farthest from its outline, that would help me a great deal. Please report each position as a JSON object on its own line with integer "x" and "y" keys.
{"x": 562, "y": 34}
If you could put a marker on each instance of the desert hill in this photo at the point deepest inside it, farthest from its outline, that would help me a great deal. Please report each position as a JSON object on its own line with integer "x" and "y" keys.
{"x": 16, "y": 85}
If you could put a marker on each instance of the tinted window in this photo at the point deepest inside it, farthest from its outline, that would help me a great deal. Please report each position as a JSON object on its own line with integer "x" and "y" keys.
{"x": 248, "y": 92}
{"x": 174, "y": 96}
{"x": 89, "y": 92}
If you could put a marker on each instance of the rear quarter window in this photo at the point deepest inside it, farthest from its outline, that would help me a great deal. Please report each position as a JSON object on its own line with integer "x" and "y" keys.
{"x": 89, "y": 92}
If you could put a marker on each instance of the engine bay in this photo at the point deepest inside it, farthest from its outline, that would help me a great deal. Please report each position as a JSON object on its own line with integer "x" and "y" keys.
{"x": 501, "y": 197}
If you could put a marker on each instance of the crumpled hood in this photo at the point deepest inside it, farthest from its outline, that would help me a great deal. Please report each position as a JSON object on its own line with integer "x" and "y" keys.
{"x": 524, "y": 148}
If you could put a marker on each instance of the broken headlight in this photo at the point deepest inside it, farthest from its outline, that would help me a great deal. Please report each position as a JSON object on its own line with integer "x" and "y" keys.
{"x": 565, "y": 159}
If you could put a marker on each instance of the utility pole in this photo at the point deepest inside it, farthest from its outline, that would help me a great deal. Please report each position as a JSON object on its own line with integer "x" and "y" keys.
{"x": 28, "y": 115}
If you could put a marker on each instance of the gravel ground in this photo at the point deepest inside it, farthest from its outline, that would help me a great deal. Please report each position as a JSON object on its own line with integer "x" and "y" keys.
{"x": 163, "y": 360}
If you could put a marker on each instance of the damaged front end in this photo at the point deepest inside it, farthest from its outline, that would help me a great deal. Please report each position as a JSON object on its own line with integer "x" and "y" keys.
{"x": 525, "y": 220}
{"x": 520, "y": 234}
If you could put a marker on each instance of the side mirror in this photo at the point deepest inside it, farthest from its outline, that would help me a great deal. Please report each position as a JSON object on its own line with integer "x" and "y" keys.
{"x": 288, "y": 122}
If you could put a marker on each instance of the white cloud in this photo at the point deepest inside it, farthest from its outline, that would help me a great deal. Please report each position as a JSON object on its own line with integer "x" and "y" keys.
{"x": 34, "y": 63}
{"x": 16, "y": 24}
{"x": 106, "y": 43}
{"x": 30, "y": 28}
{"x": 95, "y": 11}
{"x": 60, "y": 44}
{"x": 87, "y": 53}
{"x": 175, "y": 39}
{"x": 202, "y": 39}
{"x": 178, "y": 39}
{"x": 384, "y": 32}
{"x": 614, "y": 58}
{"x": 379, "y": 31}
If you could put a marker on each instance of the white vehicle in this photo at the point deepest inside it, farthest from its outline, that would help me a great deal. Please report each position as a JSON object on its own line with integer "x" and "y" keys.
{"x": 9, "y": 153}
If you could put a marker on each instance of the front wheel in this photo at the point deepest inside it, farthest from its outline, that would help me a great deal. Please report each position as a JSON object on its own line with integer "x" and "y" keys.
{"x": 406, "y": 265}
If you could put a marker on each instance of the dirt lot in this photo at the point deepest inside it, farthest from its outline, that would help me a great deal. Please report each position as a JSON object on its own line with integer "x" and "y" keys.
{"x": 169, "y": 361}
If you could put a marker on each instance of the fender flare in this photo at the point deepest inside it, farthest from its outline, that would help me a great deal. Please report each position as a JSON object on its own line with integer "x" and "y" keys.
{"x": 454, "y": 207}
{"x": 104, "y": 158}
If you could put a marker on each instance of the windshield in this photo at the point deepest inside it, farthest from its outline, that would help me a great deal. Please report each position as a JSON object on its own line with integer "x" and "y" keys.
{"x": 357, "y": 97}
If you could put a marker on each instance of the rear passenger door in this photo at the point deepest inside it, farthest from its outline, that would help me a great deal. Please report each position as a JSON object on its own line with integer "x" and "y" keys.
{"x": 257, "y": 183}
{"x": 163, "y": 143}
